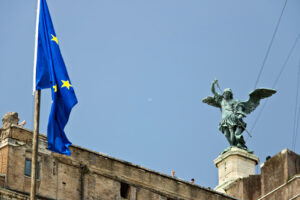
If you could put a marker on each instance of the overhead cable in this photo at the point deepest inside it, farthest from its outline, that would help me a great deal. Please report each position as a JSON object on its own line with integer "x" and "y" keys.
{"x": 270, "y": 45}
{"x": 296, "y": 115}
{"x": 277, "y": 79}
{"x": 286, "y": 61}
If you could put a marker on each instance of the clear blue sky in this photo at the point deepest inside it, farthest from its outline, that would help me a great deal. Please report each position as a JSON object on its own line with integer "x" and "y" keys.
{"x": 141, "y": 68}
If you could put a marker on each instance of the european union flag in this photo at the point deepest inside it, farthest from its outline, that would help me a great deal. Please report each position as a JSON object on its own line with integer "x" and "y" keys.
{"x": 51, "y": 73}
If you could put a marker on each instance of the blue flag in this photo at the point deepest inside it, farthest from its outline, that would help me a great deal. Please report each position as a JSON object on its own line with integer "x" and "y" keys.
{"x": 51, "y": 73}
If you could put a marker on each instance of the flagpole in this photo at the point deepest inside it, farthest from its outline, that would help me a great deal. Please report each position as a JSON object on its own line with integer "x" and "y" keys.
{"x": 35, "y": 45}
{"x": 35, "y": 144}
{"x": 35, "y": 138}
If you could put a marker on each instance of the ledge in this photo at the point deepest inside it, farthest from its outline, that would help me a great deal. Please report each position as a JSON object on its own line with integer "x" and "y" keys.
{"x": 236, "y": 151}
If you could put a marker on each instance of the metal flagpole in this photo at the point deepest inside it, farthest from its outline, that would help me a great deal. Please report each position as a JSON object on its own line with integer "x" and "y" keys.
{"x": 35, "y": 139}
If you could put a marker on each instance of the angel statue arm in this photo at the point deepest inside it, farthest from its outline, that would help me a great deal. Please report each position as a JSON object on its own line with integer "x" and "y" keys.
{"x": 216, "y": 99}
{"x": 213, "y": 90}
{"x": 217, "y": 96}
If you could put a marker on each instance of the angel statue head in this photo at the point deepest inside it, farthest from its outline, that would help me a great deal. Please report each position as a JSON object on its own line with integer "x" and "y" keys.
{"x": 233, "y": 112}
{"x": 227, "y": 93}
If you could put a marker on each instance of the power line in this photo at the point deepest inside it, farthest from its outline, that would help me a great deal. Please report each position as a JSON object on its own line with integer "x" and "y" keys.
{"x": 296, "y": 116}
{"x": 286, "y": 60}
{"x": 259, "y": 114}
{"x": 277, "y": 79}
{"x": 297, "y": 126}
{"x": 270, "y": 45}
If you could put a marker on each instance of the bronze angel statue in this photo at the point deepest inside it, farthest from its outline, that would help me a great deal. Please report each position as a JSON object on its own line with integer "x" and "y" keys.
{"x": 233, "y": 112}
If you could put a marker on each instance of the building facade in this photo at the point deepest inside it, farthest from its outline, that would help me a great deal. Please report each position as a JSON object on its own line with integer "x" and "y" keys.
{"x": 85, "y": 175}
{"x": 89, "y": 175}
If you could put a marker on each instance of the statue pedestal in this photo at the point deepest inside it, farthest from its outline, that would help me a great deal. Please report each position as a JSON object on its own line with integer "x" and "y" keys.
{"x": 235, "y": 163}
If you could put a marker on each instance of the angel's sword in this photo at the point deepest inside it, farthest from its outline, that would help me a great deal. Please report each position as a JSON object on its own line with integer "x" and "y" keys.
{"x": 245, "y": 129}
{"x": 217, "y": 83}
{"x": 242, "y": 125}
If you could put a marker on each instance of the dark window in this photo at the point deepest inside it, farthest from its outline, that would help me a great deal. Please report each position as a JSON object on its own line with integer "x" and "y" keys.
{"x": 124, "y": 190}
{"x": 28, "y": 168}
{"x": 54, "y": 168}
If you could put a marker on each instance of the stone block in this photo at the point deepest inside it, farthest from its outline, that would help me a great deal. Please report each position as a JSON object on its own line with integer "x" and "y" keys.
{"x": 10, "y": 118}
{"x": 234, "y": 164}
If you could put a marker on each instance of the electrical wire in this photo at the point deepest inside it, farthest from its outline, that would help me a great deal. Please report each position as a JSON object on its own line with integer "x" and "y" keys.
{"x": 286, "y": 61}
{"x": 277, "y": 79}
{"x": 270, "y": 45}
{"x": 297, "y": 128}
{"x": 296, "y": 116}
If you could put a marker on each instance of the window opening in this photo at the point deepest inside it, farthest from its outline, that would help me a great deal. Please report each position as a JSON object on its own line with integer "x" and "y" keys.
{"x": 28, "y": 168}
{"x": 124, "y": 191}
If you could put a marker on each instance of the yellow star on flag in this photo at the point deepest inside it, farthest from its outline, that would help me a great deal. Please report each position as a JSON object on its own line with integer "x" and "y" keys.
{"x": 54, "y": 39}
{"x": 66, "y": 84}
{"x": 55, "y": 88}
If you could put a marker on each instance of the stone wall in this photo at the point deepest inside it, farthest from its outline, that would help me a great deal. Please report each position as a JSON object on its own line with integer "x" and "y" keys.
{"x": 87, "y": 174}
{"x": 279, "y": 179}
{"x": 246, "y": 188}
{"x": 3, "y": 159}
{"x": 91, "y": 175}
{"x": 6, "y": 194}
{"x": 233, "y": 165}
{"x": 280, "y": 176}
{"x": 289, "y": 190}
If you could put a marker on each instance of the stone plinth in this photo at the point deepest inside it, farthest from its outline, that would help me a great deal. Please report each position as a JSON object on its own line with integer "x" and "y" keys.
{"x": 235, "y": 163}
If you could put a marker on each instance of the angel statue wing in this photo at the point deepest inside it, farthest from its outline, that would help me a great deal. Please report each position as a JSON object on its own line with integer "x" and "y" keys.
{"x": 211, "y": 101}
{"x": 255, "y": 97}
